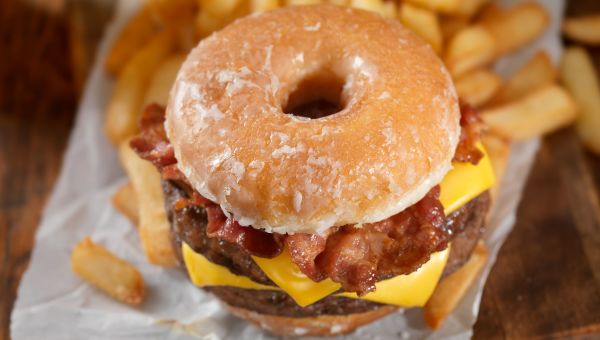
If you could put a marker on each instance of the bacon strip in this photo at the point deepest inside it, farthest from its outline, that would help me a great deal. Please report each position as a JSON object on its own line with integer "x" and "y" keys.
{"x": 359, "y": 257}
{"x": 355, "y": 256}
{"x": 470, "y": 132}
{"x": 152, "y": 144}
{"x": 304, "y": 249}
{"x": 254, "y": 241}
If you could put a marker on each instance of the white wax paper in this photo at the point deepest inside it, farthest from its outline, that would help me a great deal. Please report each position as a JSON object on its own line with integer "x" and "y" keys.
{"x": 53, "y": 303}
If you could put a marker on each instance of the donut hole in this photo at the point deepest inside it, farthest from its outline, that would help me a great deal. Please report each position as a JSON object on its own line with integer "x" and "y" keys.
{"x": 316, "y": 96}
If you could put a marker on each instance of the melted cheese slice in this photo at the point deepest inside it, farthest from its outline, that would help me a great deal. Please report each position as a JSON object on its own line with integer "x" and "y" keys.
{"x": 463, "y": 183}
{"x": 403, "y": 290}
{"x": 203, "y": 273}
{"x": 413, "y": 289}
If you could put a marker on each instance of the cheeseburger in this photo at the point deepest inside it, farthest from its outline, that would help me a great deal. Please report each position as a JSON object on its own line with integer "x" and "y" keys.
{"x": 318, "y": 168}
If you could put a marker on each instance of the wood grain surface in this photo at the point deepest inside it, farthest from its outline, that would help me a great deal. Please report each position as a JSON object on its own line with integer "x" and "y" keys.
{"x": 545, "y": 283}
{"x": 37, "y": 101}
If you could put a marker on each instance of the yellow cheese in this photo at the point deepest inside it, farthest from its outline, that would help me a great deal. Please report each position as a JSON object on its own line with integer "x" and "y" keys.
{"x": 463, "y": 183}
{"x": 409, "y": 290}
{"x": 286, "y": 275}
{"x": 413, "y": 289}
{"x": 202, "y": 272}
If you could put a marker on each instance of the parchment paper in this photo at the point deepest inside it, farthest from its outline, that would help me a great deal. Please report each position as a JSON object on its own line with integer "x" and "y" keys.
{"x": 55, "y": 304}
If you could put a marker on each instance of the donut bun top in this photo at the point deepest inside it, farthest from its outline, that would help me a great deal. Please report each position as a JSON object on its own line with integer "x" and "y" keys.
{"x": 391, "y": 143}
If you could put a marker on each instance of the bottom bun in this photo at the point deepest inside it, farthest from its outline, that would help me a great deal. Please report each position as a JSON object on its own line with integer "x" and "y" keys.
{"x": 322, "y": 325}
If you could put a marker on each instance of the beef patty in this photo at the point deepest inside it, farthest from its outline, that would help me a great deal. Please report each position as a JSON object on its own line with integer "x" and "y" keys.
{"x": 188, "y": 224}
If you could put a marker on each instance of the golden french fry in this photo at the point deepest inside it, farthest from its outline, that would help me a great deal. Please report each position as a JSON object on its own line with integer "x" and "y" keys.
{"x": 450, "y": 25}
{"x": 517, "y": 26}
{"x": 585, "y": 30}
{"x": 136, "y": 33}
{"x": 478, "y": 86}
{"x": 451, "y": 289}
{"x": 220, "y": 8}
{"x": 369, "y": 5}
{"x": 424, "y": 23}
{"x": 171, "y": 12}
{"x": 184, "y": 32}
{"x": 390, "y": 9}
{"x": 498, "y": 150}
{"x": 126, "y": 101}
{"x": 206, "y": 23}
{"x": 445, "y": 6}
{"x": 263, "y": 5}
{"x": 469, "y": 49}
{"x": 154, "y": 227}
{"x": 579, "y": 76}
{"x": 536, "y": 73}
{"x": 125, "y": 201}
{"x": 162, "y": 80}
{"x": 302, "y": 2}
{"x": 489, "y": 12}
{"x": 540, "y": 112}
{"x": 178, "y": 17}
{"x": 468, "y": 8}
{"x": 107, "y": 272}
{"x": 339, "y": 2}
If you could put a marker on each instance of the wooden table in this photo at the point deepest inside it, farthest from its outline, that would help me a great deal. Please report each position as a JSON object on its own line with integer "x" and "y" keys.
{"x": 545, "y": 283}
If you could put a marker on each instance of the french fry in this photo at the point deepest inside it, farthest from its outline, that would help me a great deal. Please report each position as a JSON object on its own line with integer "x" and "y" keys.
{"x": 478, "y": 86}
{"x": 136, "y": 33}
{"x": 468, "y": 8}
{"x": 579, "y": 76}
{"x": 451, "y": 289}
{"x": 304, "y": 2}
{"x": 206, "y": 23}
{"x": 444, "y": 6}
{"x": 498, "y": 150}
{"x": 339, "y": 2}
{"x": 171, "y": 12}
{"x": 450, "y": 25}
{"x": 585, "y": 30}
{"x": 489, "y": 12}
{"x": 263, "y": 5}
{"x": 368, "y": 5}
{"x": 424, "y": 23}
{"x": 536, "y": 73}
{"x": 185, "y": 34}
{"x": 125, "y": 201}
{"x": 154, "y": 227}
{"x": 540, "y": 112}
{"x": 162, "y": 80}
{"x": 221, "y": 8}
{"x": 516, "y": 26}
{"x": 126, "y": 101}
{"x": 469, "y": 49}
{"x": 107, "y": 272}
{"x": 390, "y": 9}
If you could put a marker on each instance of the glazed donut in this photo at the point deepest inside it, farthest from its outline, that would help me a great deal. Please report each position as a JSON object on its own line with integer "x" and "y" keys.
{"x": 392, "y": 140}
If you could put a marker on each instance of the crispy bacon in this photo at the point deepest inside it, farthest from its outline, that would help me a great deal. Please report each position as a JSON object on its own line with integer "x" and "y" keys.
{"x": 304, "y": 249}
{"x": 355, "y": 256}
{"x": 470, "y": 124}
{"x": 152, "y": 144}
{"x": 254, "y": 241}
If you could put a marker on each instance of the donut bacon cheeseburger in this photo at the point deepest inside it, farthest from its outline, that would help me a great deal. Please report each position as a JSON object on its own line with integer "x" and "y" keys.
{"x": 301, "y": 219}
{"x": 409, "y": 290}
